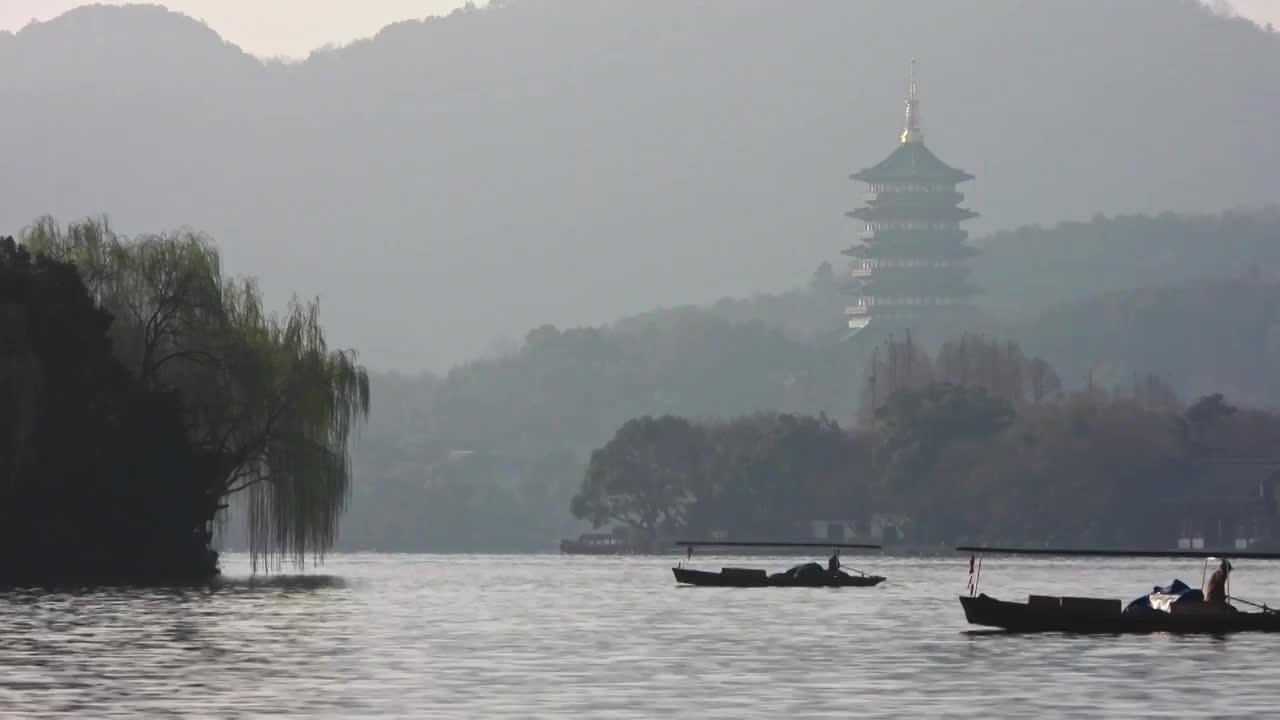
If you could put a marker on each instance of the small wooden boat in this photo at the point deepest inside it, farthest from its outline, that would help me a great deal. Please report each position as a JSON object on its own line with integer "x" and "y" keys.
{"x": 806, "y": 575}
{"x": 751, "y": 577}
{"x": 1044, "y": 613}
{"x": 1096, "y": 615}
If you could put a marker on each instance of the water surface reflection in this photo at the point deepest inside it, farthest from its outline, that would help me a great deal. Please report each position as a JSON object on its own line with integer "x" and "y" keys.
{"x": 521, "y": 636}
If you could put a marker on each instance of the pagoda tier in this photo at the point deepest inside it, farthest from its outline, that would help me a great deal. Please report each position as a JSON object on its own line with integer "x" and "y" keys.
{"x": 911, "y": 248}
{"x": 931, "y": 214}
{"x": 925, "y": 281}
{"x": 912, "y": 163}
{"x": 909, "y": 259}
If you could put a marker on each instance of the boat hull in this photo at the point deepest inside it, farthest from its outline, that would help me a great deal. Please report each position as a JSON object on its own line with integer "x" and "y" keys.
{"x": 1024, "y": 617}
{"x": 686, "y": 576}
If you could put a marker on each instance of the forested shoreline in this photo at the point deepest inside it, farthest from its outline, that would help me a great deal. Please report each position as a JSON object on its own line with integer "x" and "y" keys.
{"x": 143, "y": 394}
{"x": 974, "y": 443}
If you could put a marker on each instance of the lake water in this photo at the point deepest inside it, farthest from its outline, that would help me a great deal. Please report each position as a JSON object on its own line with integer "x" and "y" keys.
{"x": 484, "y": 636}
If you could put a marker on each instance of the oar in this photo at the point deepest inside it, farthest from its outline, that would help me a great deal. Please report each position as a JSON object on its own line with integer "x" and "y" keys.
{"x": 1263, "y": 607}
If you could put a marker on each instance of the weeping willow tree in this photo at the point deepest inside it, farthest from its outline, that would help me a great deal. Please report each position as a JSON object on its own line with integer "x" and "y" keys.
{"x": 295, "y": 404}
{"x": 270, "y": 407}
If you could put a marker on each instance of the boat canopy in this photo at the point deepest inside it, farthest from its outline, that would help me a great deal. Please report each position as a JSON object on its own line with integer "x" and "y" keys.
{"x": 1069, "y": 552}
{"x": 740, "y": 543}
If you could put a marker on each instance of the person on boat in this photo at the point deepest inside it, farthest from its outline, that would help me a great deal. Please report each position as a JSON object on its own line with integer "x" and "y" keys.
{"x": 833, "y": 564}
{"x": 1216, "y": 590}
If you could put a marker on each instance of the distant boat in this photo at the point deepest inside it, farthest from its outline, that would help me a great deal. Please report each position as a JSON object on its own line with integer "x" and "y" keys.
{"x": 798, "y": 576}
{"x": 806, "y": 575}
{"x": 597, "y": 544}
{"x": 1046, "y": 613}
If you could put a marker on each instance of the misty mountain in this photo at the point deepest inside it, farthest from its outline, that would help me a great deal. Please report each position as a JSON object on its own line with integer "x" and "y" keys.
{"x": 1182, "y": 296}
{"x": 1222, "y": 336}
{"x": 1031, "y": 271}
{"x": 459, "y": 180}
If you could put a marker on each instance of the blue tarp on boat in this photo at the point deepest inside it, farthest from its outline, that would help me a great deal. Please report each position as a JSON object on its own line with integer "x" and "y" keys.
{"x": 1161, "y": 598}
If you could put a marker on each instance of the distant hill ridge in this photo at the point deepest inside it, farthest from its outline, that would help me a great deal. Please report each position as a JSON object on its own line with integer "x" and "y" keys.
{"x": 135, "y": 45}
{"x": 455, "y": 181}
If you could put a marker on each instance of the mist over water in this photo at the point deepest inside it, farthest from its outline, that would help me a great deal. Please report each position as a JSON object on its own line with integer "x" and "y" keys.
{"x": 451, "y": 636}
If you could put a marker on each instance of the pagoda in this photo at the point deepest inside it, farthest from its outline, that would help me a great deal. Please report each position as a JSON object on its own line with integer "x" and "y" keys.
{"x": 909, "y": 261}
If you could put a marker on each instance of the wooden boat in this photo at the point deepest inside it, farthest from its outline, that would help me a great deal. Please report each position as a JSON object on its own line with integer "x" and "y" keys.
{"x": 806, "y": 575}
{"x": 1096, "y": 615}
{"x": 751, "y": 577}
{"x": 1044, "y": 613}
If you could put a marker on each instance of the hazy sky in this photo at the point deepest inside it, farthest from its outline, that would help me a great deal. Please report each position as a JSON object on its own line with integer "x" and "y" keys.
{"x": 293, "y": 28}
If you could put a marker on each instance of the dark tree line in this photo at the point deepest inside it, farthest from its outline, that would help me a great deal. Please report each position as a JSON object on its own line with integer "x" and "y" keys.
{"x": 98, "y": 480}
{"x": 975, "y": 442}
{"x": 764, "y": 475}
{"x": 1000, "y": 368}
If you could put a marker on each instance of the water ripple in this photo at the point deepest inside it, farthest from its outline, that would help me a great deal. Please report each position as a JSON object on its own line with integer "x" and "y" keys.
{"x": 440, "y": 636}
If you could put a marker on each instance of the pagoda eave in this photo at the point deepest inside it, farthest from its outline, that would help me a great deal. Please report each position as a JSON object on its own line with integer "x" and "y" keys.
{"x": 921, "y": 238}
{"x": 904, "y": 309}
{"x": 884, "y": 288}
{"x": 912, "y": 161}
{"x": 872, "y": 176}
{"x": 913, "y": 212}
{"x": 866, "y": 251}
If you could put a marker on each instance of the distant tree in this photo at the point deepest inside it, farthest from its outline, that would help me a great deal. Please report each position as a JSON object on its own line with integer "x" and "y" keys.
{"x": 918, "y": 424}
{"x": 899, "y": 363}
{"x": 824, "y": 279}
{"x": 1000, "y": 367}
{"x": 769, "y": 473}
{"x": 1083, "y": 471}
{"x": 1042, "y": 381}
{"x": 1208, "y": 409}
{"x": 1152, "y": 392}
{"x": 645, "y": 477}
{"x": 1212, "y": 425}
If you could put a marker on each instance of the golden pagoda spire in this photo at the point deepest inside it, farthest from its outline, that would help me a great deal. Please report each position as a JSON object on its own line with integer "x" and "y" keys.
{"x": 912, "y": 132}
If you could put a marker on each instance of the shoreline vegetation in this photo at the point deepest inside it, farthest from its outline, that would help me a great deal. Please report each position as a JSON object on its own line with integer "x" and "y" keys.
{"x": 142, "y": 394}
{"x": 976, "y": 442}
